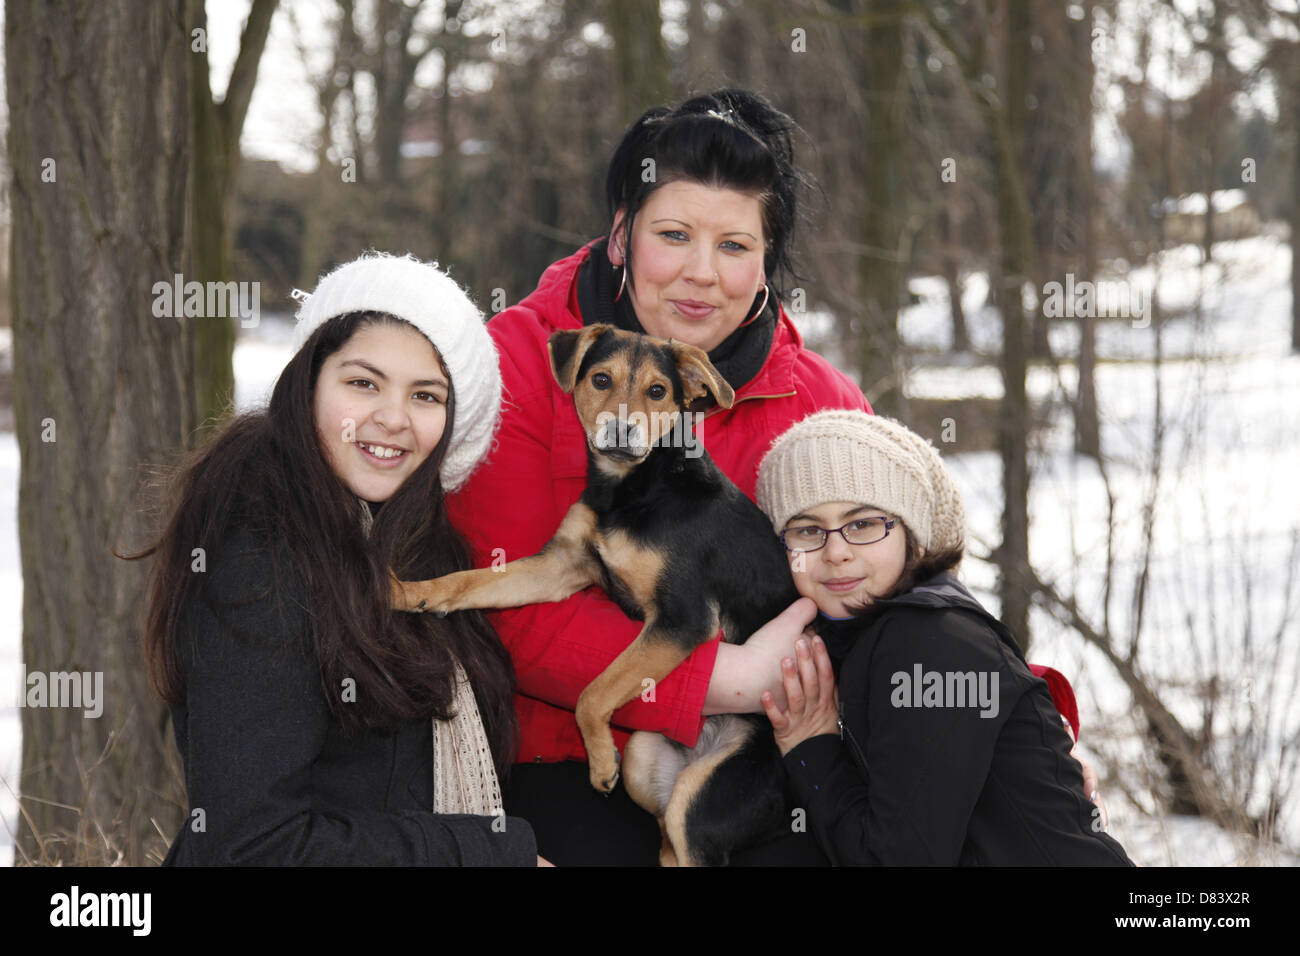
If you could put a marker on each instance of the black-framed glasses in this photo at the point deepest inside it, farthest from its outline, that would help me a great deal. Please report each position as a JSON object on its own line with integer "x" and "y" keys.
{"x": 806, "y": 538}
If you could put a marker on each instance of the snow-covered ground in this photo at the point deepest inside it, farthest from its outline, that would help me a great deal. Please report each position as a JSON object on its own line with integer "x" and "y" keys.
{"x": 1223, "y": 598}
{"x": 1226, "y": 519}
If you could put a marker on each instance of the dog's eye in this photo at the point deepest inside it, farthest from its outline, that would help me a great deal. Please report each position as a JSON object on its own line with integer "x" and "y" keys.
{"x": 601, "y": 380}
{"x": 657, "y": 392}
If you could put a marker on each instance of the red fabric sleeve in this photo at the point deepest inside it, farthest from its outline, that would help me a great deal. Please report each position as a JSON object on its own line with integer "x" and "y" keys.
{"x": 1062, "y": 694}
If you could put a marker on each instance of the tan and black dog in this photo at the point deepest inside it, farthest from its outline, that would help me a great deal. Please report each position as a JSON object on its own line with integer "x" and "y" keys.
{"x": 676, "y": 545}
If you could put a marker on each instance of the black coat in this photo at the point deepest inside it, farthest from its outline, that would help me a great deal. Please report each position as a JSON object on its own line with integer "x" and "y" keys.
{"x": 943, "y": 785}
{"x": 276, "y": 778}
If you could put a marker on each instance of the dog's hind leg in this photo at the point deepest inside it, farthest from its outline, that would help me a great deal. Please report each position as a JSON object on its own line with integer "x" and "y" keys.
{"x": 566, "y": 564}
{"x": 721, "y": 739}
{"x": 729, "y": 795}
{"x": 651, "y": 763}
{"x": 667, "y": 855}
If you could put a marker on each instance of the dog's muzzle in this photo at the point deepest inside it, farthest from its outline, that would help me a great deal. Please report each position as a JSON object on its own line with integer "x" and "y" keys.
{"x": 620, "y": 440}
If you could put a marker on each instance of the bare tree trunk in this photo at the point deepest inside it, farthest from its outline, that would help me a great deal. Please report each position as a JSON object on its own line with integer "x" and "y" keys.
{"x": 1295, "y": 207}
{"x": 359, "y": 156}
{"x": 315, "y": 214}
{"x": 447, "y": 180}
{"x": 1217, "y": 97}
{"x": 100, "y": 151}
{"x": 960, "y": 337}
{"x": 394, "y": 72}
{"x": 216, "y": 157}
{"x": 878, "y": 344}
{"x": 1016, "y": 229}
{"x": 697, "y": 45}
{"x": 1003, "y": 115}
{"x": 640, "y": 57}
{"x": 1087, "y": 425}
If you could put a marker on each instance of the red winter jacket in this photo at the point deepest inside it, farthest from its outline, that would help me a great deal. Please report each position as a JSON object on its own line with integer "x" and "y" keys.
{"x": 515, "y": 500}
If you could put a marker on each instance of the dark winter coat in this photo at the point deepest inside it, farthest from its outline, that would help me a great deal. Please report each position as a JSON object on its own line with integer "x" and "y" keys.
{"x": 939, "y": 784}
{"x": 272, "y": 778}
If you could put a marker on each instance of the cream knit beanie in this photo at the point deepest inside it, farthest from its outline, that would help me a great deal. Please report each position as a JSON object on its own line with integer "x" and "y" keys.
{"x": 430, "y": 300}
{"x": 843, "y": 455}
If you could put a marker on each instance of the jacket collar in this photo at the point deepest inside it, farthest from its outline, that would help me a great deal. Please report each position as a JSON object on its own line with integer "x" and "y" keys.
{"x": 942, "y": 590}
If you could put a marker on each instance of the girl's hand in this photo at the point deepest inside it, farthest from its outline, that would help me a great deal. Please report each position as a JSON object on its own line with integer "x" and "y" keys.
{"x": 812, "y": 702}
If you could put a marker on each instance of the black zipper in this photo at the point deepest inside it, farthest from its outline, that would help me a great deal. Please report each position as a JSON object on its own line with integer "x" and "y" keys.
{"x": 847, "y": 735}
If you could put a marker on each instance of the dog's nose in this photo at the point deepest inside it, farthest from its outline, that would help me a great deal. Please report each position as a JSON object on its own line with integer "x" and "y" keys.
{"x": 621, "y": 434}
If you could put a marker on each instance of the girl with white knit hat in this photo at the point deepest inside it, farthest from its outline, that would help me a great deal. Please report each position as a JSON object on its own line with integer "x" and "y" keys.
{"x": 914, "y": 732}
{"x": 316, "y": 725}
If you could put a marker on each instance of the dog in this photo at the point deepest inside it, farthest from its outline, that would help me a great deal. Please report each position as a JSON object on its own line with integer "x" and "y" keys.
{"x": 677, "y": 545}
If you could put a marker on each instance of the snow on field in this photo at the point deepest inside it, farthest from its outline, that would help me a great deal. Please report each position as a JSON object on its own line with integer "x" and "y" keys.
{"x": 1226, "y": 518}
{"x": 1223, "y": 598}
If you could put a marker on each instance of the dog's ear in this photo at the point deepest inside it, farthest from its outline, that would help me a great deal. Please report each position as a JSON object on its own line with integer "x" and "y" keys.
{"x": 567, "y": 348}
{"x": 699, "y": 377}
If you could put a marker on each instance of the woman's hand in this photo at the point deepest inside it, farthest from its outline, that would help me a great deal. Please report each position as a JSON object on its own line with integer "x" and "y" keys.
{"x": 743, "y": 672}
{"x": 812, "y": 702}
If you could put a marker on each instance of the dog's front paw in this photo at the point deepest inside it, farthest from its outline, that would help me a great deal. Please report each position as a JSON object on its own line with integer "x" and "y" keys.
{"x": 397, "y": 597}
{"x": 416, "y": 596}
{"x": 603, "y": 769}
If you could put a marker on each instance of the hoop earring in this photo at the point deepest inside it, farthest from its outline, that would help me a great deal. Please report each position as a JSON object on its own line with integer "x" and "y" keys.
{"x": 761, "y": 306}
{"x": 622, "y": 282}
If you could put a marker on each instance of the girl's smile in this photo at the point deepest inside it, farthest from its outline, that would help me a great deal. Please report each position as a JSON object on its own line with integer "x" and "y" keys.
{"x": 381, "y": 408}
{"x": 840, "y": 576}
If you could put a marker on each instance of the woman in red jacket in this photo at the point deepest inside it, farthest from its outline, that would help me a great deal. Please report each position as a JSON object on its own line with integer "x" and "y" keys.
{"x": 703, "y": 202}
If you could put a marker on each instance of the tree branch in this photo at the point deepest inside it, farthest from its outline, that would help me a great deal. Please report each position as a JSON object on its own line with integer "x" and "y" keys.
{"x": 239, "y": 91}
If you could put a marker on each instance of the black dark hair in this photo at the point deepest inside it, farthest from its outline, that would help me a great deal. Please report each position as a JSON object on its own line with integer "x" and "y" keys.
{"x": 731, "y": 139}
{"x": 266, "y": 470}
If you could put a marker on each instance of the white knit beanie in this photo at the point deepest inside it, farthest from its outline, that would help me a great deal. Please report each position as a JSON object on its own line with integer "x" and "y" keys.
{"x": 430, "y": 300}
{"x": 843, "y": 455}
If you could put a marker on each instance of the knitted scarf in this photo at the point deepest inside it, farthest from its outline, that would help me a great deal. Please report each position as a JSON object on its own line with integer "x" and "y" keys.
{"x": 464, "y": 776}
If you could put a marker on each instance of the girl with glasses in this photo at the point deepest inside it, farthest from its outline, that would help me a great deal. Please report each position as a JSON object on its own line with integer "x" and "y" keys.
{"x": 913, "y": 731}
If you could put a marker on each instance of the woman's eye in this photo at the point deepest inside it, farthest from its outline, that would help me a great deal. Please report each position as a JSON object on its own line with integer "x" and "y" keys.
{"x": 809, "y": 531}
{"x": 363, "y": 382}
{"x": 428, "y": 397}
{"x": 732, "y": 246}
{"x": 862, "y": 524}
{"x": 601, "y": 380}
{"x": 674, "y": 234}
{"x": 657, "y": 392}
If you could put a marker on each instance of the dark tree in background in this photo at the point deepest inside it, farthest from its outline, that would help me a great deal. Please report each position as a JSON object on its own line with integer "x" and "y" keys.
{"x": 216, "y": 155}
{"x": 1078, "y": 110}
{"x": 99, "y": 147}
{"x": 883, "y": 213}
{"x": 640, "y": 60}
{"x": 1001, "y": 99}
